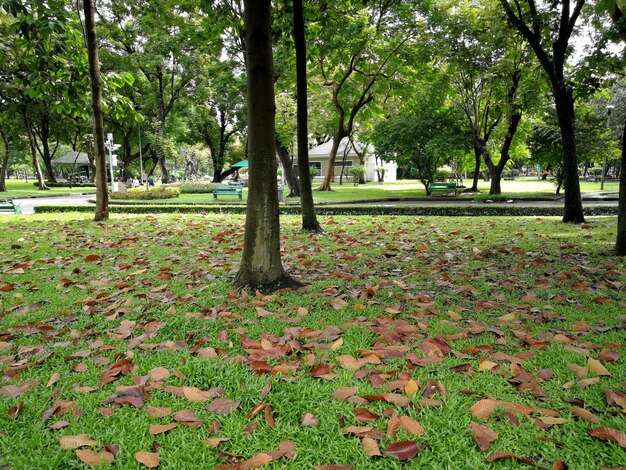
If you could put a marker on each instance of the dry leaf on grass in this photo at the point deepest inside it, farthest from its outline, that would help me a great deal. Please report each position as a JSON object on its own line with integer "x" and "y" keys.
{"x": 213, "y": 442}
{"x": 161, "y": 428}
{"x": 94, "y": 458}
{"x": 74, "y": 442}
{"x": 404, "y": 450}
{"x": 370, "y": 447}
{"x": 609, "y": 434}
{"x": 149, "y": 459}
{"x": 483, "y": 436}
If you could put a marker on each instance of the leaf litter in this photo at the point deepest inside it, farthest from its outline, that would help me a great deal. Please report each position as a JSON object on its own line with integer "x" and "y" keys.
{"x": 433, "y": 317}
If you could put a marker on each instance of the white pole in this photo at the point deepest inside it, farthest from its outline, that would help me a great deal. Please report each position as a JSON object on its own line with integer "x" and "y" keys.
{"x": 110, "y": 145}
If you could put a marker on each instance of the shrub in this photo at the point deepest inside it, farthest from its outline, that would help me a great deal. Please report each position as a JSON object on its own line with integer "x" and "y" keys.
{"x": 193, "y": 188}
{"x": 313, "y": 171}
{"x": 445, "y": 211}
{"x": 357, "y": 172}
{"x": 157, "y": 192}
{"x": 67, "y": 185}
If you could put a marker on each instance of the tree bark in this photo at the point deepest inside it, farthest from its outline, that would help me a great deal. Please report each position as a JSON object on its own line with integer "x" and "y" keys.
{"x": 495, "y": 170}
{"x": 261, "y": 267}
{"x": 332, "y": 157}
{"x": 620, "y": 243}
{"x": 479, "y": 150}
{"x": 309, "y": 218}
{"x": 102, "y": 196}
{"x": 290, "y": 174}
{"x": 5, "y": 160}
{"x": 564, "y": 102}
{"x": 33, "y": 148}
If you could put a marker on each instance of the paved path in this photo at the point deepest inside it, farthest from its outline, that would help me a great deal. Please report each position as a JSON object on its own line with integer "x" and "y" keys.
{"x": 28, "y": 203}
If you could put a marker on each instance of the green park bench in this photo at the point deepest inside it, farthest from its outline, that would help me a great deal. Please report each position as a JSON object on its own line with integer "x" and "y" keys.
{"x": 9, "y": 205}
{"x": 228, "y": 191}
{"x": 443, "y": 188}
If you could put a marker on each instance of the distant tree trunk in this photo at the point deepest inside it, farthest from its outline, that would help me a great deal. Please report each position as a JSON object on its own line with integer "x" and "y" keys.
{"x": 479, "y": 151}
{"x": 261, "y": 266}
{"x": 495, "y": 170}
{"x": 33, "y": 148}
{"x": 102, "y": 196}
{"x": 159, "y": 147}
{"x": 620, "y": 244}
{"x": 46, "y": 155}
{"x": 330, "y": 171}
{"x": 4, "y": 163}
{"x": 309, "y": 219}
{"x": 290, "y": 174}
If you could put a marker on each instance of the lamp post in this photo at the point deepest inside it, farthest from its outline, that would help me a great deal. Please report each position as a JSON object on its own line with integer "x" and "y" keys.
{"x": 609, "y": 108}
{"x": 112, "y": 159}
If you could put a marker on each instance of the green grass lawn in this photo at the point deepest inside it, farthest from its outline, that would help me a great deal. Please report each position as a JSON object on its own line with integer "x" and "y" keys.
{"x": 520, "y": 188}
{"x": 410, "y": 330}
{"x": 21, "y": 188}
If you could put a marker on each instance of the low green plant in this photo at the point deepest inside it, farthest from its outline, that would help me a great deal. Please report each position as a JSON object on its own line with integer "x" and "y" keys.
{"x": 193, "y": 187}
{"x": 357, "y": 172}
{"x": 313, "y": 171}
{"x": 156, "y": 192}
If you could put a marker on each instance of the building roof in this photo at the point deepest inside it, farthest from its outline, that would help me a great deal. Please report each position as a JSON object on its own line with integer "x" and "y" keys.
{"x": 324, "y": 149}
{"x": 71, "y": 158}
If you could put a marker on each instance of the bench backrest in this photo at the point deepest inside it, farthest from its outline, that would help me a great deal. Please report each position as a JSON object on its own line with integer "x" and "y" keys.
{"x": 228, "y": 189}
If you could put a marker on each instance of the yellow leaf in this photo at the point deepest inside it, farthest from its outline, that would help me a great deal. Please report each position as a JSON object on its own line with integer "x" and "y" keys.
{"x": 336, "y": 344}
{"x": 411, "y": 387}
{"x": 597, "y": 367}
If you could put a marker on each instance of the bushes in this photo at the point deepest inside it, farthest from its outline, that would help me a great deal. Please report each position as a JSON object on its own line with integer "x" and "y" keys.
{"x": 445, "y": 211}
{"x": 67, "y": 185}
{"x": 193, "y": 188}
{"x": 157, "y": 192}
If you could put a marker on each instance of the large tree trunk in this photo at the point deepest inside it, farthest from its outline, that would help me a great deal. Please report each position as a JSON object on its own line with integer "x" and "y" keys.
{"x": 309, "y": 219}
{"x": 330, "y": 171}
{"x": 102, "y": 196}
{"x": 160, "y": 150}
{"x": 290, "y": 174}
{"x": 261, "y": 266}
{"x": 4, "y": 163}
{"x": 620, "y": 243}
{"x": 33, "y": 149}
{"x": 564, "y": 102}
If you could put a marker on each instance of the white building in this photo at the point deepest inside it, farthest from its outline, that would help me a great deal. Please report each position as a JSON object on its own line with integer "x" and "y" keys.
{"x": 318, "y": 157}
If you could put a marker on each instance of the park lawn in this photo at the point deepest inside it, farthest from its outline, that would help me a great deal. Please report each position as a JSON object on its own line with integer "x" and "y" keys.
{"x": 521, "y": 188}
{"x": 413, "y": 335}
{"x": 21, "y": 188}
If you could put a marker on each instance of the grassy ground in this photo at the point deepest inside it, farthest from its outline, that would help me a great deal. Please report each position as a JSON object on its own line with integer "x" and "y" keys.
{"x": 406, "y": 189}
{"x": 111, "y": 329}
{"x": 21, "y": 188}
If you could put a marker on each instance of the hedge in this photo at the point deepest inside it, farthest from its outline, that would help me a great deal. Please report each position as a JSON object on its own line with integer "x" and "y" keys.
{"x": 342, "y": 210}
{"x": 157, "y": 192}
{"x": 193, "y": 188}
{"x": 67, "y": 185}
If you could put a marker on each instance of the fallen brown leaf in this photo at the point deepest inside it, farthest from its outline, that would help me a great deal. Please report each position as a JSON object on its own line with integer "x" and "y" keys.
{"x": 91, "y": 457}
{"x": 74, "y": 442}
{"x": 404, "y": 450}
{"x": 483, "y": 436}
{"x": 149, "y": 459}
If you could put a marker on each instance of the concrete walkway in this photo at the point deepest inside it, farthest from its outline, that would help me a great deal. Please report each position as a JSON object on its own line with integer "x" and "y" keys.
{"x": 28, "y": 203}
